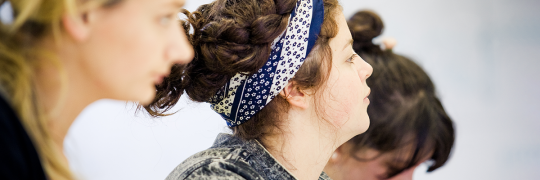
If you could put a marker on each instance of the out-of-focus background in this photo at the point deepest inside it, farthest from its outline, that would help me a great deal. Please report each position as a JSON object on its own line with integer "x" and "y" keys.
{"x": 483, "y": 55}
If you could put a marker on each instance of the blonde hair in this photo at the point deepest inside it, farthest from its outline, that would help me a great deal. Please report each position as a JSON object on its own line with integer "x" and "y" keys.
{"x": 20, "y": 55}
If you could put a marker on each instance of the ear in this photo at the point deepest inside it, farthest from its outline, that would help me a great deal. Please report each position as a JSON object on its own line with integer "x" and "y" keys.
{"x": 295, "y": 96}
{"x": 389, "y": 42}
{"x": 337, "y": 156}
{"x": 77, "y": 25}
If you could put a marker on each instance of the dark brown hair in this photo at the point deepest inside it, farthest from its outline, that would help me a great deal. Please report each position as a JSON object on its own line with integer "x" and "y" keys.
{"x": 234, "y": 36}
{"x": 404, "y": 109}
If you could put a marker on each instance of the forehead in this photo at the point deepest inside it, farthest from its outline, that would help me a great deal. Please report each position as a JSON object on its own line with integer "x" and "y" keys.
{"x": 344, "y": 31}
{"x": 158, "y": 3}
{"x": 343, "y": 36}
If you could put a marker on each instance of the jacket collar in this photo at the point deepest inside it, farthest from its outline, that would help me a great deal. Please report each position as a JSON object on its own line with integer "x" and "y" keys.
{"x": 258, "y": 157}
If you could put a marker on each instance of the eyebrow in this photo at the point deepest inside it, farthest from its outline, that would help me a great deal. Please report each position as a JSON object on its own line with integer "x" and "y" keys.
{"x": 177, "y": 3}
{"x": 347, "y": 45}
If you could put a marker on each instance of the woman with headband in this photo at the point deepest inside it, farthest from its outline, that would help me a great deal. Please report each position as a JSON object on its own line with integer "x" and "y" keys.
{"x": 57, "y": 57}
{"x": 284, "y": 77}
{"x": 409, "y": 125}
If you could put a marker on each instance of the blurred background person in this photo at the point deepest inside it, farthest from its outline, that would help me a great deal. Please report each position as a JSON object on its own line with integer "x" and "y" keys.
{"x": 409, "y": 125}
{"x": 57, "y": 57}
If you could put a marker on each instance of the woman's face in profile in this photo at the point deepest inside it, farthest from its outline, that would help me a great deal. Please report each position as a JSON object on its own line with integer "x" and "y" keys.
{"x": 132, "y": 46}
{"x": 374, "y": 166}
{"x": 345, "y": 94}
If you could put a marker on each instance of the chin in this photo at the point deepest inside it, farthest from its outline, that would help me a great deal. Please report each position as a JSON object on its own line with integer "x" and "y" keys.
{"x": 147, "y": 96}
{"x": 364, "y": 125}
{"x": 146, "y": 101}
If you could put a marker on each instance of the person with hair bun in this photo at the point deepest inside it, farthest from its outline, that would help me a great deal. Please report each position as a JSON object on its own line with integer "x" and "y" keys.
{"x": 57, "y": 57}
{"x": 409, "y": 125}
{"x": 285, "y": 78}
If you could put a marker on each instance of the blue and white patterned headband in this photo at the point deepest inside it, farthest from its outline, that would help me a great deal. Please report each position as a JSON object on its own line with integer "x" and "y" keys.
{"x": 243, "y": 96}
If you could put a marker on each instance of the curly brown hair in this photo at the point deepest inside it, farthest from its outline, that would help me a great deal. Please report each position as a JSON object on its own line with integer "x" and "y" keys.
{"x": 235, "y": 36}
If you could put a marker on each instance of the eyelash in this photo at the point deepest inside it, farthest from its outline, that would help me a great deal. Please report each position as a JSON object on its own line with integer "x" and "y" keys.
{"x": 351, "y": 58}
{"x": 165, "y": 20}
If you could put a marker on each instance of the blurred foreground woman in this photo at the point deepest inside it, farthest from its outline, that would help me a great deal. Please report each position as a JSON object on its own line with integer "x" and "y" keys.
{"x": 409, "y": 125}
{"x": 57, "y": 57}
{"x": 284, "y": 76}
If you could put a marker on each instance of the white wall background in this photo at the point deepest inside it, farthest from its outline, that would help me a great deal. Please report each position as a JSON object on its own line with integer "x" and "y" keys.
{"x": 483, "y": 55}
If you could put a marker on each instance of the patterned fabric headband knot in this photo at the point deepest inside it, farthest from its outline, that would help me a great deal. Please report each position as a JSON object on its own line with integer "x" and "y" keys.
{"x": 245, "y": 95}
{"x": 6, "y": 13}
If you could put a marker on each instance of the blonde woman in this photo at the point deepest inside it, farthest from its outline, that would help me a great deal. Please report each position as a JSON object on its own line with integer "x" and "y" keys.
{"x": 57, "y": 57}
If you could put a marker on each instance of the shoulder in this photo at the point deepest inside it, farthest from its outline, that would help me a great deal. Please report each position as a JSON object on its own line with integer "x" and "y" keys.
{"x": 18, "y": 156}
{"x": 324, "y": 176}
{"x": 215, "y": 163}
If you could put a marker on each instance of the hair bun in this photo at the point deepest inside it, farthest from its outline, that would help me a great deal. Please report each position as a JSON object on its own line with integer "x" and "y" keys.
{"x": 228, "y": 37}
{"x": 365, "y": 25}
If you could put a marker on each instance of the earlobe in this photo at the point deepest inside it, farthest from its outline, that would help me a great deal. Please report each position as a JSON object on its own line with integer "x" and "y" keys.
{"x": 336, "y": 156}
{"x": 295, "y": 96}
{"x": 76, "y": 26}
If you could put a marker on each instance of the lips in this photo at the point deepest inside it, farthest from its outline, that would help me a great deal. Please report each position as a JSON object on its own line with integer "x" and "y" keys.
{"x": 159, "y": 77}
{"x": 369, "y": 92}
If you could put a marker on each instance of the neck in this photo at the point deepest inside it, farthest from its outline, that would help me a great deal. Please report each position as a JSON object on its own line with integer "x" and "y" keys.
{"x": 63, "y": 91}
{"x": 304, "y": 147}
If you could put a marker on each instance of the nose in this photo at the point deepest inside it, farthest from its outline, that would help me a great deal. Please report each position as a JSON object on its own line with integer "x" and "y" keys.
{"x": 365, "y": 70}
{"x": 179, "y": 50}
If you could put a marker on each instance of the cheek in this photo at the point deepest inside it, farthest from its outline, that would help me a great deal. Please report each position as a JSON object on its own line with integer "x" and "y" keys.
{"x": 343, "y": 96}
{"x": 123, "y": 57}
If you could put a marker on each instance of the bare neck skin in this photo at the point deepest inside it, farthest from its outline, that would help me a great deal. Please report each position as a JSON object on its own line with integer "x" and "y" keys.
{"x": 305, "y": 146}
{"x": 63, "y": 90}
